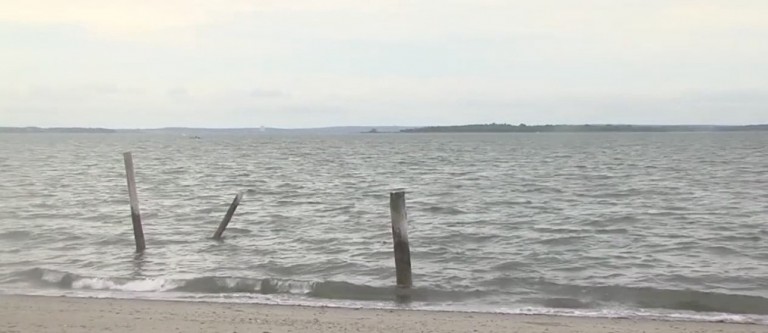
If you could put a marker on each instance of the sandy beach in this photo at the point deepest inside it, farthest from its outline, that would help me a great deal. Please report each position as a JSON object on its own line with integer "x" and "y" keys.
{"x": 60, "y": 314}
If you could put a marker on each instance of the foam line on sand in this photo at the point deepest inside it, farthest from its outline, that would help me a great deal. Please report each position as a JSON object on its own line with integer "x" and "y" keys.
{"x": 61, "y": 314}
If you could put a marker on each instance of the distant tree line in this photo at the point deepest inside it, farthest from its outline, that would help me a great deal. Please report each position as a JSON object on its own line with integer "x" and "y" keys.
{"x": 523, "y": 128}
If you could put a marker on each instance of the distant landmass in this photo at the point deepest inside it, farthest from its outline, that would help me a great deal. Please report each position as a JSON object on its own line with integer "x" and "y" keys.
{"x": 523, "y": 128}
{"x": 477, "y": 128}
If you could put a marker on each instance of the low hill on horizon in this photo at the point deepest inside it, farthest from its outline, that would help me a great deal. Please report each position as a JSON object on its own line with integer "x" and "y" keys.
{"x": 523, "y": 128}
{"x": 475, "y": 128}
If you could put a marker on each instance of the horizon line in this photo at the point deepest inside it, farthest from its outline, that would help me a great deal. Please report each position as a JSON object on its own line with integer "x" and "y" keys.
{"x": 378, "y": 126}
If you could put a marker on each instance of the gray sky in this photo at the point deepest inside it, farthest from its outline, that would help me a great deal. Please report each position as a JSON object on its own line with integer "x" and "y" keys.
{"x": 301, "y": 63}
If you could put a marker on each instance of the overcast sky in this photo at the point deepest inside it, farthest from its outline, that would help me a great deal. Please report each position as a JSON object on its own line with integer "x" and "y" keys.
{"x": 300, "y": 63}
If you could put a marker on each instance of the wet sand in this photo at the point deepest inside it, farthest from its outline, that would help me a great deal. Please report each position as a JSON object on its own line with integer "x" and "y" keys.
{"x": 60, "y": 314}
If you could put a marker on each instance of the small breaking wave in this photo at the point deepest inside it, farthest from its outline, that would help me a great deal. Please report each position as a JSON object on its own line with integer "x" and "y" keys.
{"x": 337, "y": 290}
{"x": 576, "y": 296}
{"x": 551, "y": 299}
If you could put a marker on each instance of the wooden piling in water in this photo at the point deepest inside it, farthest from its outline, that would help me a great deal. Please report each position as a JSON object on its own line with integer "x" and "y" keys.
{"x": 400, "y": 239}
{"x": 138, "y": 230}
{"x": 228, "y": 216}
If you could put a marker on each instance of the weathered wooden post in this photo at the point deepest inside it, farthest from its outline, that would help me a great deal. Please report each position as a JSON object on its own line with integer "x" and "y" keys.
{"x": 228, "y": 216}
{"x": 400, "y": 239}
{"x": 138, "y": 231}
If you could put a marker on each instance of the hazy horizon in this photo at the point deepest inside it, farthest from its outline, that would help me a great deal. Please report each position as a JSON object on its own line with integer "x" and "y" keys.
{"x": 303, "y": 64}
{"x": 366, "y": 126}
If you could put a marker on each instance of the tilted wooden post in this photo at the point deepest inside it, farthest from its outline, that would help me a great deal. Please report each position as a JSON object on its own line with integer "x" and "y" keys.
{"x": 228, "y": 216}
{"x": 400, "y": 239}
{"x": 138, "y": 230}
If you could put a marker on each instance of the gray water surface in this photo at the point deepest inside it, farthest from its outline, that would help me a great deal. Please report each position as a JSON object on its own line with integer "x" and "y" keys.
{"x": 656, "y": 224}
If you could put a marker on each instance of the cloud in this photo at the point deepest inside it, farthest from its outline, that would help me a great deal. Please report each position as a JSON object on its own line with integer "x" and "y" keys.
{"x": 264, "y": 93}
{"x": 346, "y": 62}
{"x": 118, "y": 17}
{"x": 179, "y": 94}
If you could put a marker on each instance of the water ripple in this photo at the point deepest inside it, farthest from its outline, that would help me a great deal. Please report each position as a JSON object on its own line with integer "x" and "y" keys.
{"x": 672, "y": 221}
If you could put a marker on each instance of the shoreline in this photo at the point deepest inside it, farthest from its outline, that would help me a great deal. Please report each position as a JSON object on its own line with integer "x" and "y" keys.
{"x": 74, "y": 314}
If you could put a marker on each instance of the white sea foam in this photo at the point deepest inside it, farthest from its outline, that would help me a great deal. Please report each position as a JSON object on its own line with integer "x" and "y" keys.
{"x": 146, "y": 285}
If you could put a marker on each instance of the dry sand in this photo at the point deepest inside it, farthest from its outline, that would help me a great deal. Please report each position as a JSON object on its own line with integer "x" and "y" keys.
{"x": 59, "y": 314}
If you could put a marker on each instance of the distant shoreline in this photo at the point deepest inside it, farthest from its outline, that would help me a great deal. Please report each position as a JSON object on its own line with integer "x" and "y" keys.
{"x": 476, "y": 128}
{"x": 522, "y": 128}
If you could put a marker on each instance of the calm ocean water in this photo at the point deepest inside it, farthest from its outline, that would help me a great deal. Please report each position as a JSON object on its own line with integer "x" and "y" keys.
{"x": 663, "y": 225}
